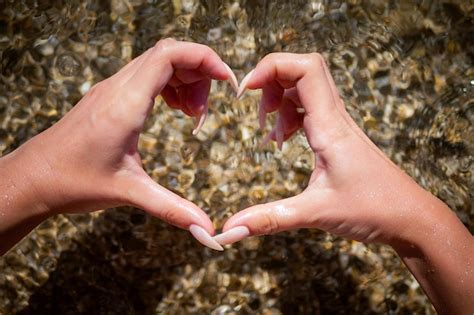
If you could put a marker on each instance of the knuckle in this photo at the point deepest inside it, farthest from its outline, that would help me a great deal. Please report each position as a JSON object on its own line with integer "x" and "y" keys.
{"x": 208, "y": 50}
{"x": 95, "y": 93}
{"x": 272, "y": 58}
{"x": 168, "y": 215}
{"x": 270, "y": 223}
{"x": 317, "y": 60}
{"x": 97, "y": 88}
{"x": 164, "y": 45}
{"x": 133, "y": 97}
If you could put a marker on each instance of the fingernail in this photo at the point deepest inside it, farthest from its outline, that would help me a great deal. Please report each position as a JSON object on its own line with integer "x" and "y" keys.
{"x": 262, "y": 116}
{"x": 243, "y": 84}
{"x": 232, "y": 79}
{"x": 233, "y": 235}
{"x": 267, "y": 138}
{"x": 200, "y": 121}
{"x": 204, "y": 238}
{"x": 279, "y": 132}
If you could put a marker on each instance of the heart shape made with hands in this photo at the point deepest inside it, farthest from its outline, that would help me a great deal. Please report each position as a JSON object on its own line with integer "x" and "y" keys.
{"x": 290, "y": 85}
{"x": 238, "y": 233}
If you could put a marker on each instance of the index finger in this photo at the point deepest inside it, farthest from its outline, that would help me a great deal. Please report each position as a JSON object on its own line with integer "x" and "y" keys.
{"x": 324, "y": 113}
{"x": 168, "y": 55}
{"x": 156, "y": 70}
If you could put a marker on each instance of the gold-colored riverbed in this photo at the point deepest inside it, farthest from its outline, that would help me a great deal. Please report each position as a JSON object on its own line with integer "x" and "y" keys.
{"x": 405, "y": 72}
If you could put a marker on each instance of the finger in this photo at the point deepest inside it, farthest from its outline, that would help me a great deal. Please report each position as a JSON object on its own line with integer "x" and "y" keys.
{"x": 185, "y": 76}
{"x": 175, "y": 82}
{"x": 279, "y": 132}
{"x": 200, "y": 121}
{"x": 168, "y": 56}
{"x": 272, "y": 136}
{"x": 268, "y": 137}
{"x": 196, "y": 96}
{"x": 170, "y": 96}
{"x": 243, "y": 84}
{"x": 289, "y": 121}
{"x": 307, "y": 73}
{"x": 283, "y": 215}
{"x": 183, "y": 92}
{"x": 194, "y": 101}
{"x": 292, "y": 95}
{"x": 297, "y": 71}
{"x": 193, "y": 97}
{"x": 144, "y": 193}
{"x": 272, "y": 95}
{"x": 158, "y": 68}
{"x": 262, "y": 116}
{"x": 232, "y": 79}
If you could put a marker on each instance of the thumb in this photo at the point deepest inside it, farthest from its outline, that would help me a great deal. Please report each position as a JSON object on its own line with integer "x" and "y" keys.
{"x": 143, "y": 192}
{"x": 283, "y": 215}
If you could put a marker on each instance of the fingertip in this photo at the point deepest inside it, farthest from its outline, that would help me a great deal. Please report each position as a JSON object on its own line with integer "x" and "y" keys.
{"x": 203, "y": 221}
{"x": 203, "y": 237}
{"x": 243, "y": 85}
{"x": 233, "y": 235}
{"x": 200, "y": 121}
{"x": 232, "y": 78}
{"x": 267, "y": 138}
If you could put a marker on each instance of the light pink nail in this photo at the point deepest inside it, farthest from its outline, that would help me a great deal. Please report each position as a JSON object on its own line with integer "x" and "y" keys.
{"x": 233, "y": 235}
{"x": 267, "y": 138}
{"x": 232, "y": 79}
{"x": 279, "y": 132}
{"x": 243, "y": 84}
{"x": 200, "y": 121}
{"x": 203, "y": 237}
{"x": 262, "y": 115}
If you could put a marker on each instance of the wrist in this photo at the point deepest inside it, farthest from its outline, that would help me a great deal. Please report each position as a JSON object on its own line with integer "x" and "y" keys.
{"x": 423, "y": 218}
{"x": 437, "y": 248}
{"x": 430, "y": 225}
{"x": 22, "y": 207}
{"x": 25, "y": 179}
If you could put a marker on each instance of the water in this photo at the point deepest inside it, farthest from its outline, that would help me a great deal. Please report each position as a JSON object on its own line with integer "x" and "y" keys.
{"x": 404, "y": 69}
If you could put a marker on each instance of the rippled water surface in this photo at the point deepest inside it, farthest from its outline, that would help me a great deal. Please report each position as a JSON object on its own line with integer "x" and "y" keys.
{"x": 404, "y": 69}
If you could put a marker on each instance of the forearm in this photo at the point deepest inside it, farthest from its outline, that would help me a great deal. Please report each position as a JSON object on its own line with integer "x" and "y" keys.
{"x": 21, "y": 207}
{"x": 440, "y": 254}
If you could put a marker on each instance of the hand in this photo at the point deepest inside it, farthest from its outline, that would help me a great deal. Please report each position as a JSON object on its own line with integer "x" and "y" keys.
{"x": 89, "y": 159}
{"x": 355, "y": 191}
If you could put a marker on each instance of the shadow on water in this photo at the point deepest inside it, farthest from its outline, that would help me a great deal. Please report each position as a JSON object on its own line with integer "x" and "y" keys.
{"x": 129, "y": 263}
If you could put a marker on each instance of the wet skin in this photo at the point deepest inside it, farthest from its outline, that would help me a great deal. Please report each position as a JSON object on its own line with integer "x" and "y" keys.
{"x": 89, "y": 161}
